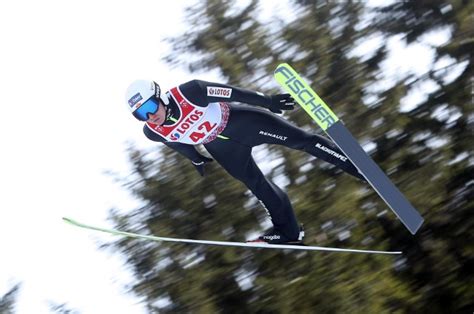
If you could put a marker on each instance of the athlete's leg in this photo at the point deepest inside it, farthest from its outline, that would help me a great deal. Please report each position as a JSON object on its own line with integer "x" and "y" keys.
{"x": 253, "y": 127}
{"x": 237, "y": 160}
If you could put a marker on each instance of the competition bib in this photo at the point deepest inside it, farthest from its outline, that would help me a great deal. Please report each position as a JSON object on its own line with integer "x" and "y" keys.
{"x": 196, "y": 125}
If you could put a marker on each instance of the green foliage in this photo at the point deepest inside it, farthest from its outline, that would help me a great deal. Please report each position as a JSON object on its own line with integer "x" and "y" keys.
{"x": 427, "y": 152}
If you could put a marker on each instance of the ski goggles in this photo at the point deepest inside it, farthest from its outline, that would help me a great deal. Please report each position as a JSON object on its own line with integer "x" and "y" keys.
{"x": 149, "y": 106}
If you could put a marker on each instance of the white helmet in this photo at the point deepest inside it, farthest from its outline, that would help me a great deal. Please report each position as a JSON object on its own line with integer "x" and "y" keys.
{"x": 143, "y": 97}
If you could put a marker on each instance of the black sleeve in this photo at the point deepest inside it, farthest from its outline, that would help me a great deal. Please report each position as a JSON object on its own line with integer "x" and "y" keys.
{"x": 188, "y": 151}
{"x": 202, "y": 93}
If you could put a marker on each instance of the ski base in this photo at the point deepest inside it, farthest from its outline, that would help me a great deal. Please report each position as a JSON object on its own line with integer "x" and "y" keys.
{"x": 226, "y": 243}
{"x": 317, "y": 109}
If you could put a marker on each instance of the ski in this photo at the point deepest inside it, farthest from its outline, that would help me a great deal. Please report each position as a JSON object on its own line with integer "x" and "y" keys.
{"x": 225, "y": 243}
{"x": 317, "y": 109}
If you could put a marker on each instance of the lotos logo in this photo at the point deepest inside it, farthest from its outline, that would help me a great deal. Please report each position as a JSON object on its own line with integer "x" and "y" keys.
{"x": 191, "y": 119}
{"x": 135, "y": 98}
{"x": 175, "y": 136}
{"x": 215, "y": 91}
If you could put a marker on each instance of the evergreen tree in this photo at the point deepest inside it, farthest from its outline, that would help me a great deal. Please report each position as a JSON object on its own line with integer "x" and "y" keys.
{"x": 438, "y": 162}
{"x": 427, "y": 155}
{"x": 61, "y": 308}
{"x": 8, "y": 300}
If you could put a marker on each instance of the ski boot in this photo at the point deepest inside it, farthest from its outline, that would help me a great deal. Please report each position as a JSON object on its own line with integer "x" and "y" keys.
{"x": 273, "y": 236}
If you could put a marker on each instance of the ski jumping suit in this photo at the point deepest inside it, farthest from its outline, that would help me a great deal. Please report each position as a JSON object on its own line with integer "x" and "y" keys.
{"x": 199, "y": 113}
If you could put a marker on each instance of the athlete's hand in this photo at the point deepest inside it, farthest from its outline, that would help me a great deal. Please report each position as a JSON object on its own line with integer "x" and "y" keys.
{"x": 199, "y": 165}
{"x": 281, "y": 102}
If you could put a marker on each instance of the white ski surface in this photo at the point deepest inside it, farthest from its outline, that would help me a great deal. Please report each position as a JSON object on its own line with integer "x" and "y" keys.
{"x": 225, "y": 243}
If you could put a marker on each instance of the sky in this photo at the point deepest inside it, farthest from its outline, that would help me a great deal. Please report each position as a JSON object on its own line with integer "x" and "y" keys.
{"x": 64, "y": 67}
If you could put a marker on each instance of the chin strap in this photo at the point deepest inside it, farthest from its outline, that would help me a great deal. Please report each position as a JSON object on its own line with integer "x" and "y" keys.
{"x": 166, "y": 101}
{"x": 168, "y": 114}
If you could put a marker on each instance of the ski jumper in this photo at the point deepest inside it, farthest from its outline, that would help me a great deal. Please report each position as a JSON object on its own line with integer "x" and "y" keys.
{"x": 199, "y": 113}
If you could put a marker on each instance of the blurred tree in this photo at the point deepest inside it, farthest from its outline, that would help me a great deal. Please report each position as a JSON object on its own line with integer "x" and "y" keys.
{"x": 426, "y": 151}
{"x": 438, "y": 162}
{"x": 61, "y": 308}
{"x": 8, "y": 300}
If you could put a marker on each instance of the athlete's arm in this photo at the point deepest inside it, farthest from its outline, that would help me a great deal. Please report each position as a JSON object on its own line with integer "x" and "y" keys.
{"x": 202, "y": 93}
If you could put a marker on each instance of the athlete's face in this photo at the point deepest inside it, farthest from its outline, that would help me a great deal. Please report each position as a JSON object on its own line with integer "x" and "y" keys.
{"x": 159, "y": 116}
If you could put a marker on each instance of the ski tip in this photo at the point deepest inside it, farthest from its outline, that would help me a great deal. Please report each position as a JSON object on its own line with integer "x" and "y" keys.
{"x": 69, "y": 221}
{"x": 281, "y": 65}
{"x": 284, "y": 64}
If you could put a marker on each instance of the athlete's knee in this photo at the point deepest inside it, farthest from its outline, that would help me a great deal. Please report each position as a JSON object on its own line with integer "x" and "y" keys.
{"x": 247, "y": 177}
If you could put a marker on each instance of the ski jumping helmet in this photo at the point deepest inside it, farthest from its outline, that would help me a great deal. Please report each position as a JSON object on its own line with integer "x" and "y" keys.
{"x": 143, "y": 97}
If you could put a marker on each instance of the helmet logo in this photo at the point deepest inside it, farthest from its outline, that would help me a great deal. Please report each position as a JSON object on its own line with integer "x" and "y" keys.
{"x": 157, "y": 90}
{"x": 135, "y": 99}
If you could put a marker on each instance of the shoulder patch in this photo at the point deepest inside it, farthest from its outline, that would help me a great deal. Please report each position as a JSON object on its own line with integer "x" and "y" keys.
{"x": 215, "y": 91}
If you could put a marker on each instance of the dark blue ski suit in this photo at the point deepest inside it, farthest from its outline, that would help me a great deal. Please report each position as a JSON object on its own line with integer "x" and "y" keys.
{"x": 231, "y": 132}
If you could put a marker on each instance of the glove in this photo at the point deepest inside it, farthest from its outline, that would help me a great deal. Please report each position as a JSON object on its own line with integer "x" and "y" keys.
{"x": 281, "y": 102}
{"x": 199, "y": 165}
